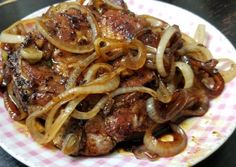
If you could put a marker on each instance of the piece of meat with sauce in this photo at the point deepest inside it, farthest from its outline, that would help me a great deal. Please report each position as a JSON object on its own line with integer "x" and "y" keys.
{"x": 98, "y": 142}
{"x": 124, "y": 122}
{"x": 129, "y": 116}
{"x": 94, "y": 140}
{"x": 120, "y": 24}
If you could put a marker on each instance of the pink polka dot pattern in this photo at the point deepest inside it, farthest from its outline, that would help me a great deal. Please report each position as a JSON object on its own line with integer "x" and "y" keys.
{"x": 205, "y": 133}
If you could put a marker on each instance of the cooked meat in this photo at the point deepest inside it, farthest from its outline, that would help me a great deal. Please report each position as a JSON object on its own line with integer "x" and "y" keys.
{"x": 128, "y": 115}
{"x": 70, "y": 127}
{"x": 120, "y": 24}
{"x": 140, "y": 78}
{"x": 97, "y": 140}
{"x": 63, "y": 25}
{"x": 94, "y": 139}
{"x": 125, "y": 121}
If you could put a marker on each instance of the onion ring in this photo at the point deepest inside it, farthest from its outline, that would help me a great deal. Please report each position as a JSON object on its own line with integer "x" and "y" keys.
{"x": 166, "y": 149}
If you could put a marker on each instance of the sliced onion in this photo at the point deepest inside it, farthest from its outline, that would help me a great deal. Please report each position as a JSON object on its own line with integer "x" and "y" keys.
{"x": 168, "y": 148}
{"x": 118, "y": 48}
{"x": 187, "y": 39}
{"x": 187, "y": 73}
{"x": 11, "y": 38}
{"x": 115, "y": 4}
{"x": 104, "y": 84}
{"x": 32, "y": 55}
{"x": 135, "y": 62}
{"x": 211, "y": 72}
{"x": 227, "y": 70}
{"x": 161, "y": 113}
{"x": 80, "y": 66}
{"x": 70, "y": 47}
{"x": 142, "y": 153}
{"x": 101, "y": 104}
{"x": 155, "y": 22}
{"x": 71, "y": 144}
{"x": 13, "y": 105}
{"x": 169, "y": 32}
{"x": 195, "y": 51}
{"x": 92, "y": 71}
{"x": 197, "y": 104}
{"x": 200, "y": 34}
{"x": 110, "y": 45}
{"x": 11, "y": 35}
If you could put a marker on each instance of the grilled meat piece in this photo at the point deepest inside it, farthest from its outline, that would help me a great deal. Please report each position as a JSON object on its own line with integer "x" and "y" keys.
{"x": 120, "y": 24}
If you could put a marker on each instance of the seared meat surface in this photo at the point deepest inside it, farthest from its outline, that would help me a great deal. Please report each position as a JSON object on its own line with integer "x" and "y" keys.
{"x": 120, "y": 24}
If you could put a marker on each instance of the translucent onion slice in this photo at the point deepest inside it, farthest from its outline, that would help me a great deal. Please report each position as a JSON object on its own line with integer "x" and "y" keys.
{"x": 169, "y": 32}
{"x": 201, "y": 35}
{"x": 31, "y": 54}
{"x": 17, "y": 31}
{"x": 105, "y": 45}
{"x": 80, "y": 66}
{"x": 195, "y": 51}
{"x": 187, "y": 38}
{"x": 166, "y": 148}
{"x": 135, "y": 62}
{"x": 114, "y": 4}
{"x": 70, "y": 143}
{"x": 187, "y": 73}
{"x": 72, "y": 47}
{"x": 101, "y": 104}
{"x": 155, "y": 22}
{"x": 92, "y": 71}
{"x": 227, "y": 68}
{"x": 11, "y": 38}
{"x": 116, "y": 48}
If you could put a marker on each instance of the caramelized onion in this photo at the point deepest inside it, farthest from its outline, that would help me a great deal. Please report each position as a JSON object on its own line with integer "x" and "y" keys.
{"x": 117, "y": 48}
{"x": 197, "y": 103}
{"x": 32, "y": 55}
{"x": 196, "y": 51}
{"x": 187, "y": 73}
{"x": 80, "y": 66}
{"x": 114, "y": 4}
{"x": 13, "y": 105}
{"x": 209, "y": 69}
{"x": 163, "y": 112}
{"x": 227, "y": 70}
{"x": 11, "y": 38}
{"x": 155, "y": 22}
{"x": 200, "y": 35}
{"x": 168, "y": 148}
{"x": 92, "y": 71}
{"x": 72, "y": 47}
{"x": 142, "y": 153}
{"x": 16, "y": 33}
{"x": 169, "y": 32}
{"x": 101, "y": 104}
{"x": 135, "y": 62}
{"x": 71, "y": 144}
{"x": 112, "y": 46}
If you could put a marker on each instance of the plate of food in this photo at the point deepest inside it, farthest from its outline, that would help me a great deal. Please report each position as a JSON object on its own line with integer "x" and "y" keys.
{"x": 114, "y": 83}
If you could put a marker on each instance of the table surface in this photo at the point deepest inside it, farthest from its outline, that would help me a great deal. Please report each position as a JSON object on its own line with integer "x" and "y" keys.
{"x": 221, "y": 14}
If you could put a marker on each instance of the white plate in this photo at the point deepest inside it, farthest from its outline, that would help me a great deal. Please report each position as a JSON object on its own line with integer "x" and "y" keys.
{"x": 205, "y": 134}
